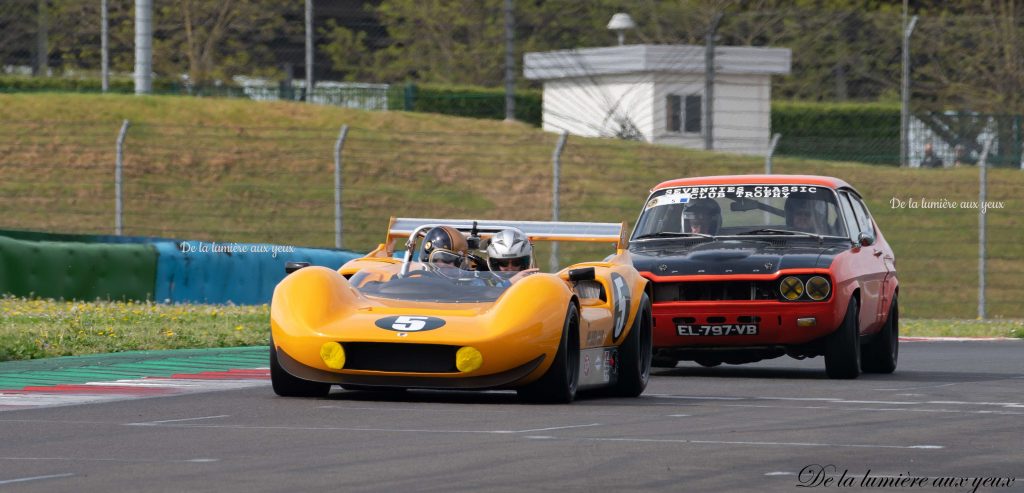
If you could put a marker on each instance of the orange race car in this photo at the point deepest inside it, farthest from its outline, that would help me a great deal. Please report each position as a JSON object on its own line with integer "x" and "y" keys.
{"x": 384, "y": 322}
{"x": 750, "y": 267}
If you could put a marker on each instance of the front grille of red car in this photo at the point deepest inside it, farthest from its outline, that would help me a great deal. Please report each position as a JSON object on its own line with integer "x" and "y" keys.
{"x": 409, "y": 358}
{"x": 715, "y": 291}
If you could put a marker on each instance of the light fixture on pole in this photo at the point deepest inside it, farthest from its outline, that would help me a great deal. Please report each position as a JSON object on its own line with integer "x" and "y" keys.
{"x": 620, "y": 23}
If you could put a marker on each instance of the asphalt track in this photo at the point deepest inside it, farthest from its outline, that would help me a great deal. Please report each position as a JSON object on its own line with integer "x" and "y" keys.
{"x": 953, "y": 412}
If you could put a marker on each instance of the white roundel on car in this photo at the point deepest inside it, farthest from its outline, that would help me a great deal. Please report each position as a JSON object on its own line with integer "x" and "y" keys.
{"x": 621, "y": 299}
{"x": 410, "y": 323}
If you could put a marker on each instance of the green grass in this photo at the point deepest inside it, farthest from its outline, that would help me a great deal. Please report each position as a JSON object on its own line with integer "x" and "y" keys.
{"x": 962, "y": 328}
{"x": 31, "y": 329}
{"x": 235, "y": 170}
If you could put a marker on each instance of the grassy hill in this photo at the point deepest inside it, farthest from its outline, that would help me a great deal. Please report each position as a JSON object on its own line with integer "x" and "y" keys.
{"x": 233, "y": 170}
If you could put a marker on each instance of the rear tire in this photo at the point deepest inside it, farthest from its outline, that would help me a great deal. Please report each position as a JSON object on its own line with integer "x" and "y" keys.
{"x": 842, "y": 350}
{"x": 882, "y": 354}
{"x": 286, "y": 385}
{"x": 559, "y": 384}
{"x": 635, "y": 354}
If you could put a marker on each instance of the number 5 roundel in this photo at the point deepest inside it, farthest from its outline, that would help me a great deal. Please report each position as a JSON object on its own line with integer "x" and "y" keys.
{"x": 410, "y": 323}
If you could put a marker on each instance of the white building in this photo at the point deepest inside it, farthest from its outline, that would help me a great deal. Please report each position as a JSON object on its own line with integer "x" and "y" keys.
{"x": 656, "y": 93}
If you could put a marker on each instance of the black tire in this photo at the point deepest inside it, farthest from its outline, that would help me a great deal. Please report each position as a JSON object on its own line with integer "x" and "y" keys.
{"x": 842, "y": 350}
{"x": 286, "y": 385}
{"x": 635, "y": 354}
{"x": 882, "y": 354}
{"x": 559, "y": 384}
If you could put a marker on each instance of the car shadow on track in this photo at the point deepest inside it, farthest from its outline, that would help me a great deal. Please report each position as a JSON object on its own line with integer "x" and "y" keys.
{"x": 424, "y": 396}
{"x": 445, "y": 396}
{"x": 899, "y": 377}
{"x": 741, "y": 372}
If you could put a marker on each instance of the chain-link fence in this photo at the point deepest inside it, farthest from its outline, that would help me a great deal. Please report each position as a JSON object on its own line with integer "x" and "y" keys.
{"x": 226, "y": 182}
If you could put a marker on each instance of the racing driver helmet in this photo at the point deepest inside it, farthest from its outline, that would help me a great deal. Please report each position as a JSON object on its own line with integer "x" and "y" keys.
{"x": 509, "y": 250}
{"x": 444, "y": 245}
{"x": 703, "y": 216}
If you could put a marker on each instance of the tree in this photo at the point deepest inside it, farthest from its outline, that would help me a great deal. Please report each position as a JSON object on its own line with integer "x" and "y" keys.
{"x": 215, "y": 40}
{"x": 18, "y": 24}
{"x": 969, "y": 57}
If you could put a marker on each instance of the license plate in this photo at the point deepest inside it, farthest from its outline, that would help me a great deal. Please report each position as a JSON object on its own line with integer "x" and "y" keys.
{"x": 717, "y": 330}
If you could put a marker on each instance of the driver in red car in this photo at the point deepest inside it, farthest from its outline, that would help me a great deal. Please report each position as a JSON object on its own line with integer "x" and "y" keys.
{"x": 805, "y": 213}
{"x": 703, "y": 216}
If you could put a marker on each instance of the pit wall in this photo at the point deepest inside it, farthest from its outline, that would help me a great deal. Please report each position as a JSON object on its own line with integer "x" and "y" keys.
{"x": 89, "y": 267}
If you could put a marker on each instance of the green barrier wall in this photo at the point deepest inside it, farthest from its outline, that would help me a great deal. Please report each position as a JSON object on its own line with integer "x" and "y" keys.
{"x": 77, "y": 270}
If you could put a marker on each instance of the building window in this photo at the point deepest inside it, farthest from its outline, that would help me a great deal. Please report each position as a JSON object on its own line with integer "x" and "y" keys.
{"x": 693, "y": 113}
{"x": 673, "y": 113}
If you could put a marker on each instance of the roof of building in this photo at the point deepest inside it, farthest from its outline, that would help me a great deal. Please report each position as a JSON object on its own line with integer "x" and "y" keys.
{"x": 589, "y": 62}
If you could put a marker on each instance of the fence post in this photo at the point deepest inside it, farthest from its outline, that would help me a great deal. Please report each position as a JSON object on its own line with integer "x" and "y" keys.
{"x": 104, "y": 47}
{"x": 118, "y": 166}
{"x": 982, "y": 196}
{"x": 309, "y": 51}
{"x": 771, "y": 152}
{"x": 709, "y": 82}
{"x": 510, "y": 63}
{"x": 338, "y": 184}
{"x": 144, "y": 46}
{"x": 905, "y": 96}
{"x": 409, "y": 97}
{"x": 556, "y": 162}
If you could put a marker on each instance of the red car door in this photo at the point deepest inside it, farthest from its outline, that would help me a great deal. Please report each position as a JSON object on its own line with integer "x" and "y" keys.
{"x": 870, "y": 265}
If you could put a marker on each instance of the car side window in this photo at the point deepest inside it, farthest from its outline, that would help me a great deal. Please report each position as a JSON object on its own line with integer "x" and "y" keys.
{"x": 863, "y": 217}
{"x": 851, "y": 220}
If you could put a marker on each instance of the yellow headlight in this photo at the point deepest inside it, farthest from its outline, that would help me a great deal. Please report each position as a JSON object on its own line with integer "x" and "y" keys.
{"x": 818, "y": 288}
{"x": 792, "y": 288}
{"x": 333, "y": 355}
{"x": 468, "y": 359}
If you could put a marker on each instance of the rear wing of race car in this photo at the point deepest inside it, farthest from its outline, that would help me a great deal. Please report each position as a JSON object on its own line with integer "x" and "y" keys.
{"x": 403, "y": 227}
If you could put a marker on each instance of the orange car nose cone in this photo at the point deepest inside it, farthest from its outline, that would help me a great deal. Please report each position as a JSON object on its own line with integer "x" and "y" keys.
{"x": 333, "y": 355}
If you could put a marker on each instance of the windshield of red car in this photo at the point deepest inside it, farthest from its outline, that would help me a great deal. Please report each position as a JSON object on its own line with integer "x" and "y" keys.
{"x": 725, "y": 210}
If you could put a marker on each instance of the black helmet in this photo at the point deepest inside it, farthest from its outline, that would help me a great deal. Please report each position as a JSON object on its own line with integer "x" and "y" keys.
{"x": 705, "y": 212}
{"x": 444, "y": 244}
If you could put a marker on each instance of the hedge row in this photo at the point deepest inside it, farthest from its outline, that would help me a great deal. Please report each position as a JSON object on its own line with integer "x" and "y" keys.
{"x": 475, "y": 102}
{"x": 10, "y": 83}
{"x": 864, "y": 132}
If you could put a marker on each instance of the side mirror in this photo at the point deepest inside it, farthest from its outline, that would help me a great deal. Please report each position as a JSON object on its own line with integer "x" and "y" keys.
{"x": 290, "y": 267}
{"x": 583, "y": 274}
{"x": 865, "y": 239}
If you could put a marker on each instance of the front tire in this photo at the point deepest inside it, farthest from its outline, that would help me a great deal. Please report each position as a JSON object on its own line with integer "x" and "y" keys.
{"x": 882, "y": 353}
{"x": 286, "y": 385}
{"x": 559, "y": 384}
{"x": 842, "y": 350}
{"x": 635, "y": 354}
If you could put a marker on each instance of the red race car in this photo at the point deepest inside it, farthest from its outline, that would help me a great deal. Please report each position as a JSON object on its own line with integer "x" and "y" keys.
{"x": 750, "y": 267}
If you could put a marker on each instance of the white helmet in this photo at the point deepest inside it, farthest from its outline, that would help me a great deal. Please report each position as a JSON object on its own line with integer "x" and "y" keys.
{"x": 509, "y": 246}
